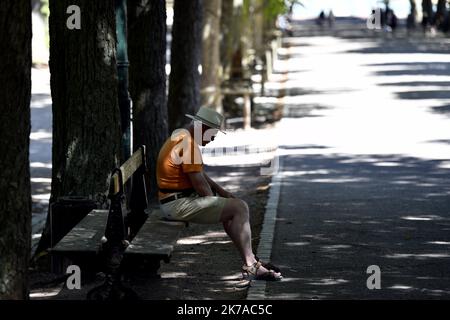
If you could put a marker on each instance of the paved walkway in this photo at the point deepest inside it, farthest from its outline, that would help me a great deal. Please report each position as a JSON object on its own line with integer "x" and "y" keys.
{"x": 365, "y": 147}
{"x": 40, "y": 150}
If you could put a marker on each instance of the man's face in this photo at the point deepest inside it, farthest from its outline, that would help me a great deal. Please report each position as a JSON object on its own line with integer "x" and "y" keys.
{"x": 208, "y": 134}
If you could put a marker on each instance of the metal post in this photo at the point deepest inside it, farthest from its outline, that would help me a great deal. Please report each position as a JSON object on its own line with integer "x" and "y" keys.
{"x": 247, "y": 111}
{"x": 122, "y": 72}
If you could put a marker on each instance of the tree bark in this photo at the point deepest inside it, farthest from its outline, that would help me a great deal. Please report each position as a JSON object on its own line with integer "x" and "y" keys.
{"x": 15, "y": 193}
{"x": 86, "y": 118}
{"x": 147, "y": 55}
{"x": 211, "y": 68}
{"x": 184, "y": 80}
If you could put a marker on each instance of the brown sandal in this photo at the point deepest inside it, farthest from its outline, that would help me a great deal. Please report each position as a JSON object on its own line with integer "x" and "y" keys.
{"x": 268, "y": 265}
{"x": 251, "y": 273}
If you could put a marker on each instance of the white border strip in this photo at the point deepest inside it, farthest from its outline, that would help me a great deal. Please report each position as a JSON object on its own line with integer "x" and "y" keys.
{"x": 257, "y": 290}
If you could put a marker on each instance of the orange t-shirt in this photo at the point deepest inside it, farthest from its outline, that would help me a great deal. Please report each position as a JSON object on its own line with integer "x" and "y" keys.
{"x": 179, "y": 155}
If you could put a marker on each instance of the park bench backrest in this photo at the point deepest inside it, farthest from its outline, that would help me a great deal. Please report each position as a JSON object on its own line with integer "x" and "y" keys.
{"x": 121, "y": 175}
{"x": 116, "y": 229}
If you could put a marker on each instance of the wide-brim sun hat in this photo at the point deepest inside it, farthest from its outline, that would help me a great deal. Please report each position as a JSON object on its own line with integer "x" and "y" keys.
{"x": 209, "y": 117}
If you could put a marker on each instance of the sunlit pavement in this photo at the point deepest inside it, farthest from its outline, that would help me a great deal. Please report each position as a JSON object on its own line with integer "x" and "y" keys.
{"x": 365, "y": 147}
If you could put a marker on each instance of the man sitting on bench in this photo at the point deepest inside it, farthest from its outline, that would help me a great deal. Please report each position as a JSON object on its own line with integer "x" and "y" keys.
{"x": 187, "y": 193}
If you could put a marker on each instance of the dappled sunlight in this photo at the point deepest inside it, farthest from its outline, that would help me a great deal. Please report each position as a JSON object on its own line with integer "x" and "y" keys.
{"x": 296, "y": 244}
{"x": 41, "y": 197}
{"x": 400, "y": 287}
{"x": 232, "y": 277}
{"x": 304, "y": 172}
{"x": 40, "y": 102}
{"x": 190, "y": 241}
{"x": 423, "y": 256}
{"x": 443, "y": 243}
{"x": 423, "y": 218}
{"x": 444, "y": 165}
{"x": 41, "y": 180}
{"x": 206, "y": 238}
{"x": 291, "y": 279}
{"x": 223, "y": 179}
{"x": 339, "y": 180}
{"x": 219, "y": 242}
{"x": 328, "y": 282}
{"x": 41, "y": 294}
{"x": 40, "y": 165}
{"x": 335, "y": 247}
{"x": 173, "y": 275}
{"x": 387, "y": 164}
{"x": 315, "y": 237}
{"x": 36, "y": 236}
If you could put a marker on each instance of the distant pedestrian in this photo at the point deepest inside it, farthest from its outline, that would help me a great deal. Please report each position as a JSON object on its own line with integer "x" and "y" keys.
{"x": 427, "y": 16}
{"x": 321, "y": 19}
{"x": 331, "y": 19}
{"x": 391, "y": 19}
{"x": 411, "y": 22}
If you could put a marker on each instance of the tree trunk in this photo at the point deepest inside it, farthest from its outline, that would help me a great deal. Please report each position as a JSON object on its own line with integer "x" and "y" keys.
{"x": 413, "y": 7}
{"x": 258, "y": 28}
{"x": 441, "y": 13}
{"x": 412, "y": 17}
{"x": 427, "y": 13}
{"x": 211, "y": 69}
{"x": 86, "y": 117}
{"x": 441, "y": 6}
{"x": 227, "y": 42}
{"x": 15, "y": 203}
{"x": 236, "y": 38}
{"x": 147, "y": 54}
{"x": 184, "y": 80}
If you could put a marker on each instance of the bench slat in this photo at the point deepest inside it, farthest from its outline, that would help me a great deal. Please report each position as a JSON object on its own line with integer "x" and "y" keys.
{"x": 156, "y": 237}
{"x": 128, "y": 168}
{"x": 85, "y": 236}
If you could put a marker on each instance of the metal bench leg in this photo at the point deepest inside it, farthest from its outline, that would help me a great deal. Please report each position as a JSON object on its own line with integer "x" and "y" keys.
{"x": 112, "y": 288}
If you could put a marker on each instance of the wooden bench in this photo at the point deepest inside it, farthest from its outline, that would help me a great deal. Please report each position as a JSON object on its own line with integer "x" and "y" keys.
{"x": 124, "y": 241}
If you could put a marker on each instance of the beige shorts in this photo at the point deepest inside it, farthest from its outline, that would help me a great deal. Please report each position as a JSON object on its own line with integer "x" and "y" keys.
{"x": 196, "y": 209}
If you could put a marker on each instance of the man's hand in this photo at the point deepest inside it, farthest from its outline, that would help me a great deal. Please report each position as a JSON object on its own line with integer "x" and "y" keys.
{"x": 226, "y": 194}
{"x": 200, "y": 184}
{"x": 217, "y": 188}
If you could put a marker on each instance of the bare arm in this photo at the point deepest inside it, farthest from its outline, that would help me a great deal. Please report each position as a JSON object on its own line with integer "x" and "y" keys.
{"x": 200, "y": 184}
{"x": 221, "y": 191}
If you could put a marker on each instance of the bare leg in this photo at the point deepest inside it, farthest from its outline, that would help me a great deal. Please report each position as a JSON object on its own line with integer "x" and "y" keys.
{"x": 235, "y": 219}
